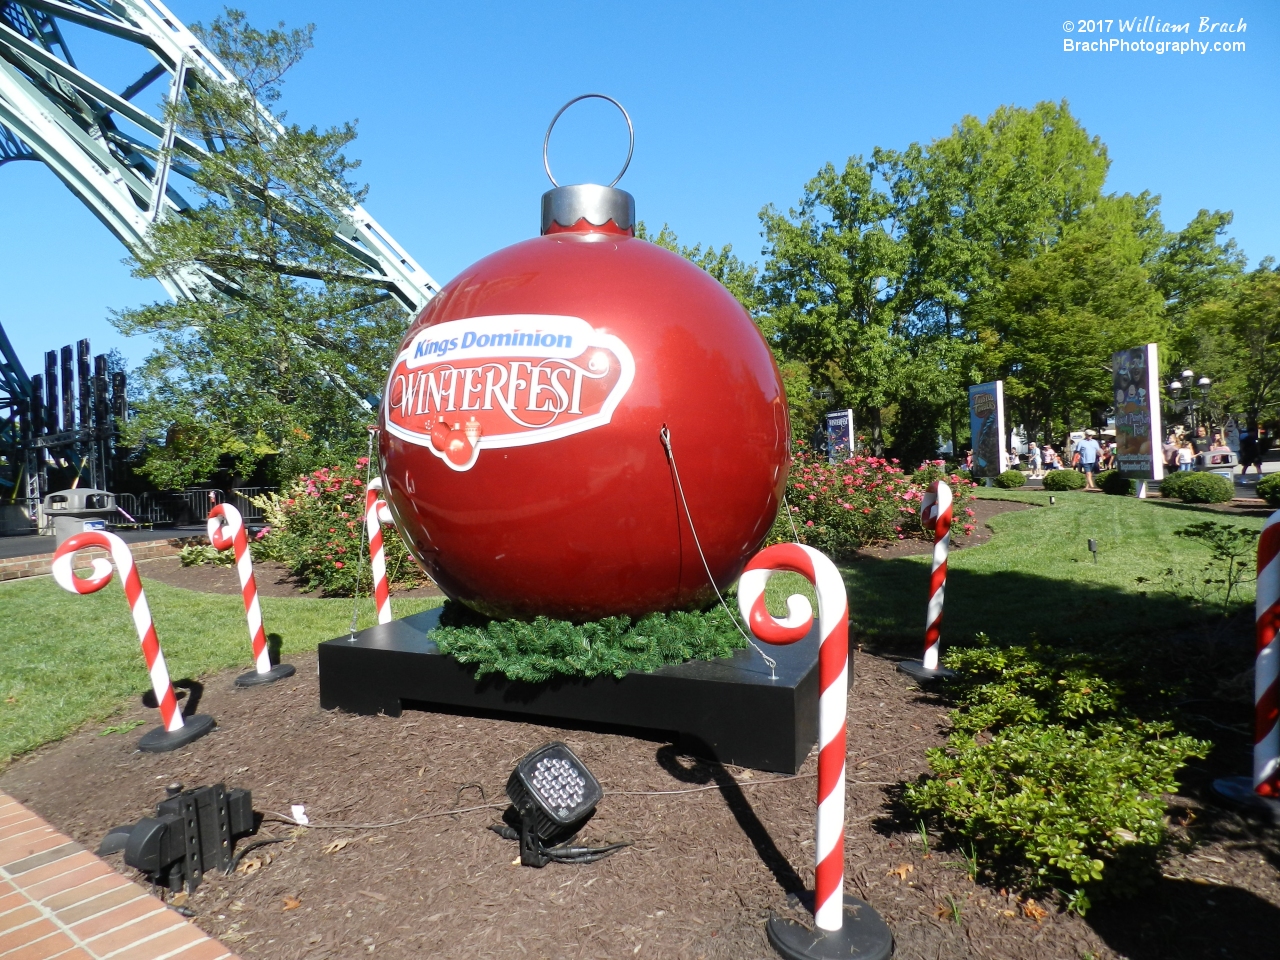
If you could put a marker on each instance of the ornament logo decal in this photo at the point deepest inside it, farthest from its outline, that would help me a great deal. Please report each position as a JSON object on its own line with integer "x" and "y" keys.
{"x": 504, "y": 381}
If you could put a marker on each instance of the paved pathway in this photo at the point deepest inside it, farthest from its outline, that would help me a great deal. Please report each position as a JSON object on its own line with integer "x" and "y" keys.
{"x": 59, "y": 900}
{"x": 30, "y": 545}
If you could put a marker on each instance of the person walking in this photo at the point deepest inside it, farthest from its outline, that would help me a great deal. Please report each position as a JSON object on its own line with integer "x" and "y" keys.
{"x": 1249, "y": 453}
{"x": 1036, "y": 460}
{"x": 1089, "y": 452}
{"x": 1170, "y": 452}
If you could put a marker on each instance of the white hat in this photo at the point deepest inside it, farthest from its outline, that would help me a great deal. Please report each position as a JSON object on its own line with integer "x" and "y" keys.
{"x": 1088, "y": 433}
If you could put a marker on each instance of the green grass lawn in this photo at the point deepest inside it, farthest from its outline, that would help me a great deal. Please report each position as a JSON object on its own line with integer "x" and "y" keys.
{"x": 1036, "y": 574}
{"x": 67, "y": 659}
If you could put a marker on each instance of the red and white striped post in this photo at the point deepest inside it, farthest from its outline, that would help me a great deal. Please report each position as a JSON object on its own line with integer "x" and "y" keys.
{"x": 377, "y": 513}
{"x": 935, "y": 515}
{"x": 844, "y": 922}
{"x": 1262, "y": 790}
{"x": 226, "y": 531}
{"x": 174, "y": 732}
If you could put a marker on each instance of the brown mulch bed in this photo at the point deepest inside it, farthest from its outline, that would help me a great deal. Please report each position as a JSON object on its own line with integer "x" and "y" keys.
{"x": 273, "y": 579}
{"x": 715, "y": 849}
{"x": 1240, "y": 506}
{"x": 713, "y": 853}
{"x": 983, "y": 510}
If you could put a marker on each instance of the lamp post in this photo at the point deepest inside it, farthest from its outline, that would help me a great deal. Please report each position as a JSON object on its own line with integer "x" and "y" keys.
{"x": 1191, "y": 406}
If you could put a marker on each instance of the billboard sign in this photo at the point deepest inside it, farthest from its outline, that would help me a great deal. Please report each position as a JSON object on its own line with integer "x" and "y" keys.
{"x": 986, "y": 428}
{"x": 839, "y": 435}
{"x": 1135, "y": 379}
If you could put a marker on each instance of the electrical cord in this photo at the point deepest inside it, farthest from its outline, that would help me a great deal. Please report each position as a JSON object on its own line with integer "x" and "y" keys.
{"x": 284, "y": 818}
{"x": 560, "y": 853}
{"x": 235, "y": 861}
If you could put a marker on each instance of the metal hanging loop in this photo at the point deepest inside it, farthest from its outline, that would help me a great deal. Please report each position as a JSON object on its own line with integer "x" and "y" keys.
{"x": 631, "y": 133}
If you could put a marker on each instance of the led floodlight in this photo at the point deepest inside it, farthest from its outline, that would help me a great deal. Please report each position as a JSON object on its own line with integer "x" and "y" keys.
{"x": 553, "y": 795}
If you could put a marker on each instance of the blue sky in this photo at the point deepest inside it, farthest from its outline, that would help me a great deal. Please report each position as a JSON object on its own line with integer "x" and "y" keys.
{"x": 736, "y": 105}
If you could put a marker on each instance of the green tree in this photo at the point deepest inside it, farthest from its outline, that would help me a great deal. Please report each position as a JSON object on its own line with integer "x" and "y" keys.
{"x": 1050, "y": 330}
{"x": 1239, "y": 338}
{"x": 1196, "y": 265}
{"x": 833, "y": 268}
{"x": 723, "y": 264}
{"x": 272, "y": 358}
{"x": 977, "y": 205}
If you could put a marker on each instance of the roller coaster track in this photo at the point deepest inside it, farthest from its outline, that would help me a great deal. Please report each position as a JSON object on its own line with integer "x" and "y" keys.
{"x": 125, "y": 163}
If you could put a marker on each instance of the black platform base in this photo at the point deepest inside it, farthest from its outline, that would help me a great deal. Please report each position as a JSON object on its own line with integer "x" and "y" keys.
{"x": 922, "y": 674}
{"x": 161, "y": 740}
{"x": 864, "y": 936}
{"x": 1238, "y": 792}
{"x": 255, "y": 679}
{"x": 728, "y": 709}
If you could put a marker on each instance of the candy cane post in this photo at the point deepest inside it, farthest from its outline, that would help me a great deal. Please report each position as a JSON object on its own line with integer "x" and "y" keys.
{"x": 376, "y": 514}
{"x": 846, "y": 926}
{"x": 175, "y": 731}
{"x": 1261, "y": 792}
{"x": 935, "y": 515}
{"x": 226, "y": 531}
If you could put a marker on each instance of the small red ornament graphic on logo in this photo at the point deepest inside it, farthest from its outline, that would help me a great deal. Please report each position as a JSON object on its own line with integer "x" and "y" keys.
{"x": 504, "y": 381}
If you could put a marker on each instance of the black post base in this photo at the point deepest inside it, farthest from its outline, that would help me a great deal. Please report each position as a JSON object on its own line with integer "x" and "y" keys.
{"x": 922, "y": 674}
{"x": 1238, "y": 792}
{"x": 255, "y": 679}
{"x": 864, "y": 936}
{"x": 161, "y": 740}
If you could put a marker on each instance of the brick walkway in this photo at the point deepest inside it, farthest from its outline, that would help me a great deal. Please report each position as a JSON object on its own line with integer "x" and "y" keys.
{"x": 59, "y": 900}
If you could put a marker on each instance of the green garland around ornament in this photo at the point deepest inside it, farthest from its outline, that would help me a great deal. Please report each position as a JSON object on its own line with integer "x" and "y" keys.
{"x": 537, "y": 650}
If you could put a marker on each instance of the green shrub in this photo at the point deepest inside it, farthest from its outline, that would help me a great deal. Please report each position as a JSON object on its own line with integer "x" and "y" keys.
{"x": 316, "y": 529}
{"x": 1059, "y": 480}
{"x": 1269, "y": 489}
{"x": 196, "y": 554}
{"x": 1114, "y": 483}
{"x": 1171, "y": 483}
{"x": 1011, "y": 479}
{"x": 544, "y": 648}
{"x": 1192, "y": 487}
{"x": 1047, "y": 771}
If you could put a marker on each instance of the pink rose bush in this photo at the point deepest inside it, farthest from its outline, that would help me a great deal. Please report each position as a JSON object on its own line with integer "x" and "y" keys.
{"x": 839, "y": 507}
{"x": 316, "y": 527}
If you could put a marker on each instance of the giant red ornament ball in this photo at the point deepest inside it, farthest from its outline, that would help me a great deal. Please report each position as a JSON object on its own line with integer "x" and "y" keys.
{"x": 520, "y": 442}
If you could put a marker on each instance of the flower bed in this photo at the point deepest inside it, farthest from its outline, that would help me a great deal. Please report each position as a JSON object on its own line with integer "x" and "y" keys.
{"x": 839, "y": 507}
{"x": 316, "y": 528}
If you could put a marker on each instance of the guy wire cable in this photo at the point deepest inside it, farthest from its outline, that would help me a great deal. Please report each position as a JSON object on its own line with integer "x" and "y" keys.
{"x": 665, "y": 434}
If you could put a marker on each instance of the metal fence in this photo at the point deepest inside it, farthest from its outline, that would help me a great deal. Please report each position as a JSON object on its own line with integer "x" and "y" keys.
{"x": 191, "y": 505}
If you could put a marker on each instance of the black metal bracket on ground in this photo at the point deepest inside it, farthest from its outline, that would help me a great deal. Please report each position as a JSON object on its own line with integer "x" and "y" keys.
{"x": 192, "y": 832}
{"x": 730, "y": 709}
{"x": 280, "y": 671}
{"x": 160, "y": 740}
{"x": 922, "y": 674}
{"x": 1238, "y": 792}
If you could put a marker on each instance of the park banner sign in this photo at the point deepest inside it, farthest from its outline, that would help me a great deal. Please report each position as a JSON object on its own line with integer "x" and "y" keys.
{"x": 1135, "y": 372}
{"x": 839, "y": 435}
{"x": 986, "y": 428}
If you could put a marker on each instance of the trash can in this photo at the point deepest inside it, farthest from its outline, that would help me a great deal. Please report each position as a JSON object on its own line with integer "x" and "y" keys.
{"x": 70, "y": 512}
{"x": 1221, "y": 462}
